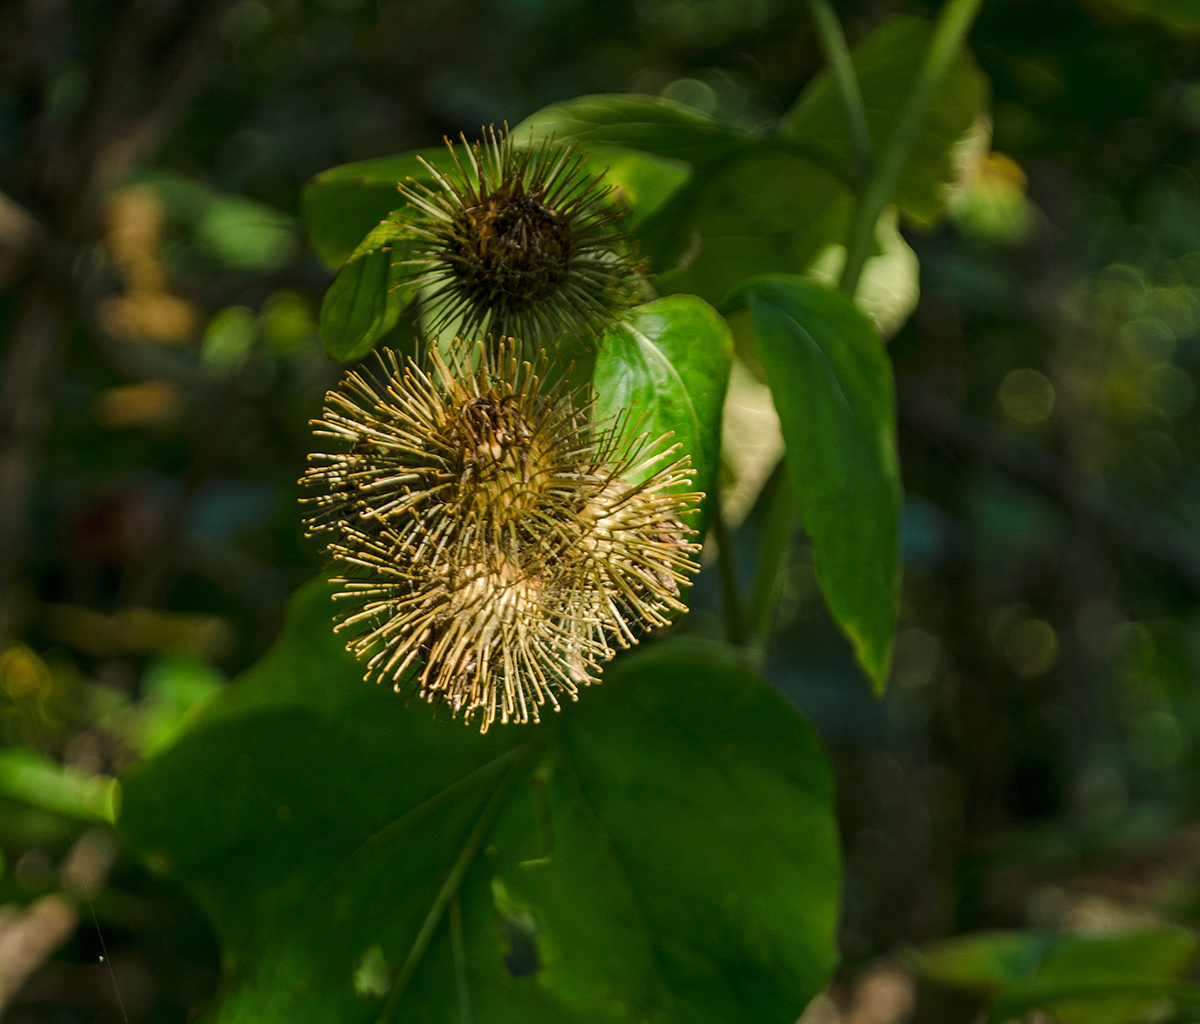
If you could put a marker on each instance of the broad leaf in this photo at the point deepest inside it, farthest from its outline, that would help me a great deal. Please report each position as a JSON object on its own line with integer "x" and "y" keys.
{"x": 886, "y": 63}
{"x": 764, "y": 212}
{"x": 647, "y": 123}
{"x": 1180, "y": 15}
{"x": 832, "y": 385}
{"x": 890, "y": 284}
{"x": 643, "y": 181}
{"x": 344, "y": 203}
{"x": 367, "y": 295}
{"x": 747, "y": 207}
{"x": 663, "y": 849}
{"x": 1108, "y": 978}
{"x": 986, "y": 962}
{"x": 665, "y": 370}
{"x": 1164, "y": 954}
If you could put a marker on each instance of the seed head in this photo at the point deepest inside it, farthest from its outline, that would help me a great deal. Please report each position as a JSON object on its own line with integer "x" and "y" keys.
{"x": 519, "y": 243}
{"x": 490, "y": 532}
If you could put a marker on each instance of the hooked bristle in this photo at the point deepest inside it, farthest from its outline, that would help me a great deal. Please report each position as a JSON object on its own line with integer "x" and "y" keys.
{"x": 490, "y": 532}
{"x": 519, "y": 243}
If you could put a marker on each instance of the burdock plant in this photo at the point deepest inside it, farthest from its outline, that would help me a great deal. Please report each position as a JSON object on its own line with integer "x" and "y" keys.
{"x": 491, "y": 533}
{"x": 517, "y": 242}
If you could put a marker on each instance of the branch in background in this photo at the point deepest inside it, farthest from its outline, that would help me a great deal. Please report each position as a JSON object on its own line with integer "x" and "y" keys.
{"x": 120, "y": 149}
{"x": 1145, "y": 531}
{"x": 29, "y": 936}
{"x": 22, "y": 412}
{"x": 19, "y": 232}
{"x": 71, "y": 181}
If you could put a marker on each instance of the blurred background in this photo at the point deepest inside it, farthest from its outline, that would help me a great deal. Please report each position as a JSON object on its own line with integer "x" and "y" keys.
{"x": 1035, "y": 760}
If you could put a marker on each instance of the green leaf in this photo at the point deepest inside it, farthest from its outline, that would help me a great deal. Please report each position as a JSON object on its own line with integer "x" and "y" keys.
{"x": 1119, "y": 998}
{"x": 986, "y": 962}
{"x": 367, "y": 295}
{"x": 666, "y": 369}
{"x": 1080, "y": 960}
{"x": 643, "y": 181}
{"x": 832, "y": 385}
{"x": 886, "y": 63}
{"x": 344, "y": 203}
{"x": 764, "y": 212}
{"x": 750, "y": 206}
{"x": 651, "y": 124}
{"x": 44, "y": 783}
{"x": 664, "y": 849}
{"x": 890, "y": 284}
{"x": 1181, "y": 15}
{"x": 1108, "y": 978}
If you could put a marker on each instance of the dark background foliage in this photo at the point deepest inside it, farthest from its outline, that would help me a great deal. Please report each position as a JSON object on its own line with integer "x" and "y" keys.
{"x": 1034, "y": 761}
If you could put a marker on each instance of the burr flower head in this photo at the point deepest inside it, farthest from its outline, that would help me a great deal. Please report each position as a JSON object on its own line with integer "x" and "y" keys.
{"x": 491, "y": 537}
{"x": 518, "y": 242}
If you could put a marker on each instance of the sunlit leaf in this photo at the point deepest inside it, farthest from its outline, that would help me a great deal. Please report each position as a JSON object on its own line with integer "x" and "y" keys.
{"x": 666, "y": 369}
{"x": 367, "y": 295}
{"x": 751, "y": 204}
{"x": 665, "y": 848}
{"x": 1108, "y": 978}
{"x": 344, "y": 203}
{"x": 647, "y": 123}
{"x": 765, "y": 212}
{"x": 832, "y": 385}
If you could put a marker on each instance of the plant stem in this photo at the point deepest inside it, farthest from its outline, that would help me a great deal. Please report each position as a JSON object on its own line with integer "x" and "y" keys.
{"x": 837, "y": 54}
{"x": 772, "y": 557}
{"x": 449, "y": 889}
{"x": 727, "y": 565}
{"x": 951, "y": 29}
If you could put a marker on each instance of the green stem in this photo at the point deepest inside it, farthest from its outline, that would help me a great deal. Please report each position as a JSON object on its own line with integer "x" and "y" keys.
{"x": 951, "y": 29}
{"x": 772, "y": 557}
{"x": 837, "y": 54}
{"x": 727, "y": 565}
{"x": 449, "y": 888}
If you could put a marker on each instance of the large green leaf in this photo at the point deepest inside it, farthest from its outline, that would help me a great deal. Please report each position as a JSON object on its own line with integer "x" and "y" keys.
{"x": 986, "y": 962}
{"x": 886, "y": 63}
{"x": 664, "y": 849}
{"x": 763, "y": 212}
{"x": 368, "y": 294}
{"x": 342, "y": 204}
{"x": 647, "y": 123}
{"x": 665, "y": 369}
{"x": 832, "y": 385}
{"x": 643, "y": 182}
{"x": 1110, "y": 978}
{"x": 1180, "y": 15}
{"x": 752, "y": 205}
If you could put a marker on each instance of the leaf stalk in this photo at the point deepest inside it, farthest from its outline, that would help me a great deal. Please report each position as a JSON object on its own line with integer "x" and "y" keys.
{"x": 953, "y": 24}
{"x": 772, "y": 558}
{"x": 845, "y": 80}
{"x": 735, "y": 618}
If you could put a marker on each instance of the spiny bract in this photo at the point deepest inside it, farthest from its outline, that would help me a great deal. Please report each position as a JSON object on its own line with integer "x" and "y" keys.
{"x": 518, "y": 242}
{"x": 487, "y": 528}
